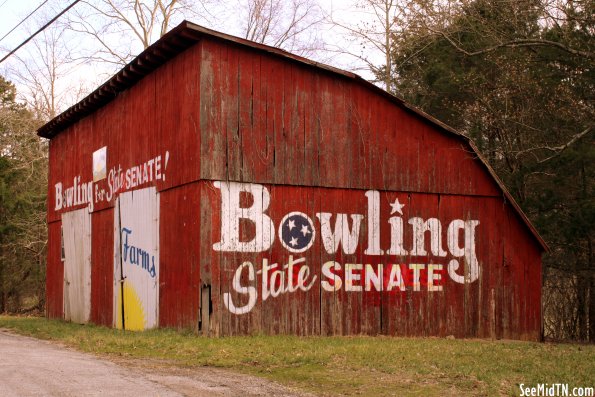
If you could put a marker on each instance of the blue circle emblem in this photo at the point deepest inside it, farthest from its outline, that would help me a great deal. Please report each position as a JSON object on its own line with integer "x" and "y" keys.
{"x": 296, "y": 232}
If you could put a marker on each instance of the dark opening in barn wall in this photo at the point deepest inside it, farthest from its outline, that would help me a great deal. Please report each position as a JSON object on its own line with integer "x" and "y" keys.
{"x": 283, "y": 196}
{"x": 206, "y": 309}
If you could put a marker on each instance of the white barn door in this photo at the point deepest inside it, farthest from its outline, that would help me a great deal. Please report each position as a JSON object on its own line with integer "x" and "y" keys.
{"x": 76, "y": 231}
{"x": 136, "y": 260}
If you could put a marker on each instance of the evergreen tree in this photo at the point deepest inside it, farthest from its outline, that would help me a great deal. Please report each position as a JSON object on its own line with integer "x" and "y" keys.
{"x": 23, "y": 186}
{"x": 518, "y": 78}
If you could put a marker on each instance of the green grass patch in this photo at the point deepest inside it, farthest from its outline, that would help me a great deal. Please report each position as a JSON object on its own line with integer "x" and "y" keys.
{"x": 380, "y": 366}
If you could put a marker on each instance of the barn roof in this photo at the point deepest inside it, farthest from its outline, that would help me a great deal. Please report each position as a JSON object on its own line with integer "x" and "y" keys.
{"x": 187, "y": 34}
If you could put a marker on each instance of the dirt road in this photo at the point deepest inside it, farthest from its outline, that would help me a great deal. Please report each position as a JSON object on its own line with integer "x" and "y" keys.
{"x": 31, "y": 367}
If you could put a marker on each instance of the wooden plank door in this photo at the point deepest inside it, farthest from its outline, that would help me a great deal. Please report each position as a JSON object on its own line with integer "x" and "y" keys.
{"x": 76, "y": 229}
{"x": 136, "y": 260}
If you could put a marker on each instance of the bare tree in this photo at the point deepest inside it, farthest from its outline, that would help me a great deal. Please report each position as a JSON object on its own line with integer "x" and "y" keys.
{"x": 119, "y": 29}
{"x": 379, "y": 21}
{"x": 290, "y": 25}
{"x": 42, "y": 70}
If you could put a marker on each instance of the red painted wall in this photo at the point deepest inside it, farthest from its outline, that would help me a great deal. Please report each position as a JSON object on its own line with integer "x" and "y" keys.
{"x": 102, "y": 266}
{"x": 266, "y": 120}
{"x": 502, "y": 302}
{"x": 54, "y": 273}
{"x": 317, "y": 141}
{"x": 137, "y": 127}
{"x": 179, "y": 257}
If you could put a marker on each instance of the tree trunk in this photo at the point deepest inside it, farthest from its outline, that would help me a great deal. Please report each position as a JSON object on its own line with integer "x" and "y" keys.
{"x": 582, "y": 301}
{"x": 592, "y": 309}
{"x": 2, "y": 292}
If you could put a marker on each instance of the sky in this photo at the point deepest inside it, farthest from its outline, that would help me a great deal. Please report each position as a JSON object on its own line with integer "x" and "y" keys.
{"x": 79, "y": 78}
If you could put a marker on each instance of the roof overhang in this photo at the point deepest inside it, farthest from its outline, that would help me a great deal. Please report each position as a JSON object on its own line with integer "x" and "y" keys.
{"x": 171, "y": 44}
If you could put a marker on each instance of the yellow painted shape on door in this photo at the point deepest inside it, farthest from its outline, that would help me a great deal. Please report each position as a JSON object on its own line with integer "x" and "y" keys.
{"x": 134, "y": 313}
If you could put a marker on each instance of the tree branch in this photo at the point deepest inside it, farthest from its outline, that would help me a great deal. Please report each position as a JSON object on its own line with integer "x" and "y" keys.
{"x": 515, "y": 43}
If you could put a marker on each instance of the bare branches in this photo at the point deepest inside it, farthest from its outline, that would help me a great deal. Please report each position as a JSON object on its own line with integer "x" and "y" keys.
{"x": 517, "y": 43}
{"x": 375, "y": 33}
{"x": 41, "y": 70}
{"x": 290, "y": 25}
{"x": 435, "y": 17}
{"x": 122, "y": 28}
{"x": 559, "y": 149}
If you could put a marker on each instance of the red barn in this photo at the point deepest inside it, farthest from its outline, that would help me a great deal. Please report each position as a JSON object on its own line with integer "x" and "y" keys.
{"x": 230, "y": 187}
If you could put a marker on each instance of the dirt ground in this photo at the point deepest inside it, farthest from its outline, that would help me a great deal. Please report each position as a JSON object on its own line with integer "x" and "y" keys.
{"x": 32, "y": 367}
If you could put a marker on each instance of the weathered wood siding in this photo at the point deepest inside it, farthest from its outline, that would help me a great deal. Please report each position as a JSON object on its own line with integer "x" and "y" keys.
{"x": 137, "y": 127}
{"x": 179, "y": 260}
{"x": 502, "y": 301}
{"x": 317, "y": 142}
{"x": 54, "y": 275}
{"x": 266, "y": 120}
{"x": 102, "y": 269}
{"x": 136, "y": 260}
{"x": 77, "y": 265}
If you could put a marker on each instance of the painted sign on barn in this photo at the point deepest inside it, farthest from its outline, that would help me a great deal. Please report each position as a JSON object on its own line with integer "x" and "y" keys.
{"x": 136, "y": 261}
{"x": 105, "y": 186}
{"x": 376, "y": 242}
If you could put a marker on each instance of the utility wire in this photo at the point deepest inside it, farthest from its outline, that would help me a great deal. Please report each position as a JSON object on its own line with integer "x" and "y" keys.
{"x": 4, "y": 2}
{"x": 40, "y": 30}
{"x": 27, "y": 17}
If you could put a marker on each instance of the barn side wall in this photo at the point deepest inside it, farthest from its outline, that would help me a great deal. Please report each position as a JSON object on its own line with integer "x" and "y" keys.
{"x": 500, "y": 301}
{"x": 317, "y": 142}
{"x": 151, "y": 127}
{"x": 267, "y": 120}
{"x": 54, "y": 275}
{"x": 179, "y": 257}
{"x": 102, "y": 266}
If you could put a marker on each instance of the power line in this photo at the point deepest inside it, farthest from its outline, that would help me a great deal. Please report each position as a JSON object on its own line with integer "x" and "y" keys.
{"x": 40, "y": 30}
{"x": 4, "y": 2}
{"x": 27, "y": 17}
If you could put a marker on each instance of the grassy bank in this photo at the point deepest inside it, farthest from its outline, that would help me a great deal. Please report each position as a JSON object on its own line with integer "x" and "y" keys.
{"x": 343, "y": 365}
